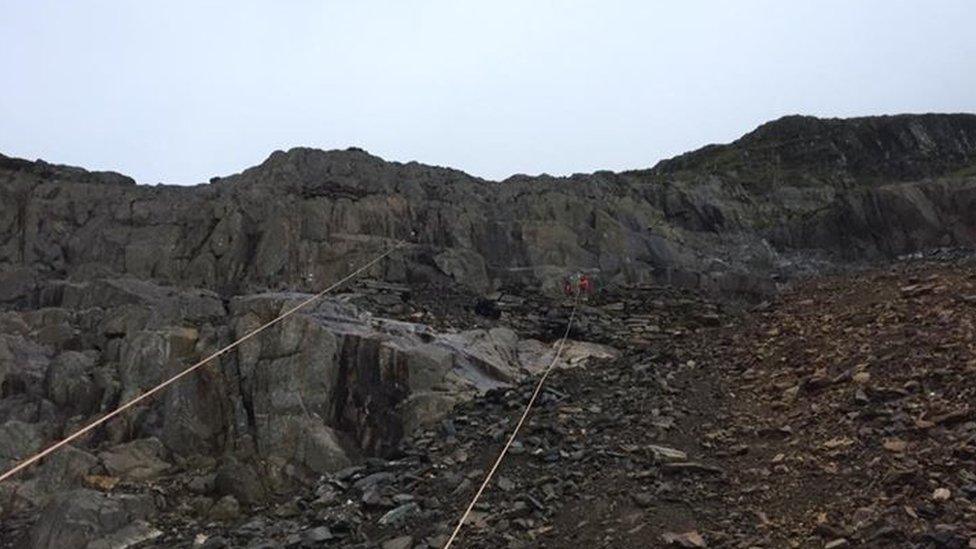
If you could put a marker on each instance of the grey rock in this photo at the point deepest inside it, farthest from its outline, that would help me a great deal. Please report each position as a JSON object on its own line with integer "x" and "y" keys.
{"x": 402, "y": 542}
{"x": 76, "y": 518}
{"x": 505, "y": 484}
{"x": 202, "y": 484}
{"x": 226, "y": 509}
{"x": 137, "y": 460}
{"x": 220, "y": 542}
{"x": 370, "y": 481}
{"x": 241, "y": 481}
{"x": 18, "y": 440}
{"x": 128, "y": 536}
{"x": 16, "y": 284}
{"x": 703, "y": 219}
{"x": 60, "y": 471}
{"x": 23, "y": 364}
{"x": 666, "y": 454}
{"x": 643, "y": 499}
{"x": 69, "y": 383}
{"x": 318, "y": 535}
{"x": 399, "y": 514}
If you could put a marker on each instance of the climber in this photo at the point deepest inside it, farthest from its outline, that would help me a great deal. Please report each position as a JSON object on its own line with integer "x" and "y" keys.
{"x": 585, "y": 286}
{"x": 577, "y": 284}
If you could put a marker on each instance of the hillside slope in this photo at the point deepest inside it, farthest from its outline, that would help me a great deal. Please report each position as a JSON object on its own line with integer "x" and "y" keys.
{"x": 351, "y": 409}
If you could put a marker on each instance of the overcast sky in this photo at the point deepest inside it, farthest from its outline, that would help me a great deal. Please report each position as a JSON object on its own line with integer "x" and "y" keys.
{"x": 178, "y": 92}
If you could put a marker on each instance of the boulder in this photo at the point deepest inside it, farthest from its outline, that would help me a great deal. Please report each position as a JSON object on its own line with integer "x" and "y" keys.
{"x": 226, "y": 509}
{"x": 74, "y": 519}
{"x": 239, "y": 479}
{"x": 18, "y": 440}
{"x": 62, "y": 470}
{"x": 69, "y": 383}
{"x": 322, "y": 449}
{"x": 465, "y": 267}
{"x": 17, "y": 284}
{"x": 130, "y": 535}
{"x": 137, "y": 460}
{"x": 23, "y": 364}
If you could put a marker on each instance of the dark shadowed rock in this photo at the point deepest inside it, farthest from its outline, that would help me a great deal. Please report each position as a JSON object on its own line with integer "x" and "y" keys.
{"x": 69, "y": 383}
{"x": 60, "y": 472}
{"x": 241, "y": 481}
{"x": 137, "y": 460}
{"x": 76, "y": 518}
{"x": 18, "y": 440}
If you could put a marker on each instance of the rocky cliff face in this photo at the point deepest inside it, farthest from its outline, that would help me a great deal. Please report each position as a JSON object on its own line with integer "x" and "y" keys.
{"x": 723, "y": 217}
{"x": 842, "y": 152}
{"x": 311, "y": 395}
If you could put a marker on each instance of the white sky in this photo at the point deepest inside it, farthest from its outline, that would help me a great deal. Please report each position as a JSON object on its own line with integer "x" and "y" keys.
{"x": 179, "y": 91}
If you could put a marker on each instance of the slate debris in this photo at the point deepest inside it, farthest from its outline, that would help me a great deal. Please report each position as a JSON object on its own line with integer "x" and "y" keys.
{"x": 840, "y": 415}
{"x": 614, "y": 416}
{"x": 878, "y": 453}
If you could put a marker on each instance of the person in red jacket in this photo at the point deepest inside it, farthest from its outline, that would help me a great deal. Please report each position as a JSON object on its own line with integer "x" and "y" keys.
{"x": 585, "y": 286}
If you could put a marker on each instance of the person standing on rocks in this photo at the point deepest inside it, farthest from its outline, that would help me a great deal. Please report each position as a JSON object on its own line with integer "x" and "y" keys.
{"x": 585, "y": 285}
{"x": 577, "y": 285}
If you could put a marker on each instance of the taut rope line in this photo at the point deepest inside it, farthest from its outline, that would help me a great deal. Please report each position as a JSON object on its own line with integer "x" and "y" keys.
{"x": 81, "y": 432}
{"x": 511, "y": 438}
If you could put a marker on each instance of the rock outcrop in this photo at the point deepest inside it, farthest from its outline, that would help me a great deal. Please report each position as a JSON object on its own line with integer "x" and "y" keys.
{"x": 312, "y": 395}
{"x": 725, "y": 217}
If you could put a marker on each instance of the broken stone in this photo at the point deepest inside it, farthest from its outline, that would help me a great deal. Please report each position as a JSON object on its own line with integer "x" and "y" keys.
{"x": 101, "y": 482}
{"x": 505, "y": 484}
{"x": 643, "y": 499}
{"x": 402, "y": 542}
{"x": 136, "y": 460}
{"x": 226, "y": 509}
{"x": 79, "y": 517}
{"x": 317, "y": 535}
{"x": 128, "y": 536}
{"x": 692, "y": 467}
{"x": 663, "y": 453}
{"x": 688, "y": 539}
{"x": 399, "y": 514}
{"x": 895, "y": 445}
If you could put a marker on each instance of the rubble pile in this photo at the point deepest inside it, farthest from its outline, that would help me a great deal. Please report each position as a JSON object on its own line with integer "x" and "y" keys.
{"x": 596, "y": 415}
{"x": 855, "y": 398}
{"x": 838, "y": 415}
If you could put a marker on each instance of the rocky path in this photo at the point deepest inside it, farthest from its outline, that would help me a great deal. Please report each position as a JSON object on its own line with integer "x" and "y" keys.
{"x": 856, "y": 400}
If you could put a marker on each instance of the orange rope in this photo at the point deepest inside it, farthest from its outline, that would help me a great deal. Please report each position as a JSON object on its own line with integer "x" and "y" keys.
{"x": 511, "y": 439}
{"x": 80, "y": 432}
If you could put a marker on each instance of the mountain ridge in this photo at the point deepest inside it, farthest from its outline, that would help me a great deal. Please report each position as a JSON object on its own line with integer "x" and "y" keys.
{"x": 896, "y": 147}
{"x": 736, "y": 224}
{"x": 762, "y": 134}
